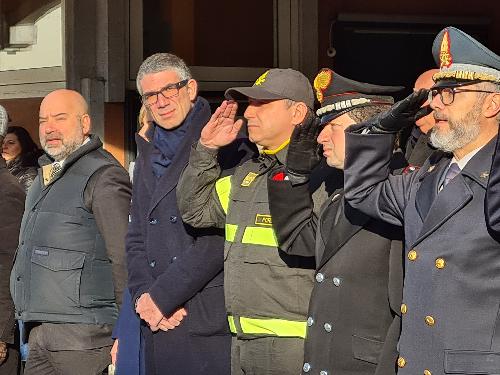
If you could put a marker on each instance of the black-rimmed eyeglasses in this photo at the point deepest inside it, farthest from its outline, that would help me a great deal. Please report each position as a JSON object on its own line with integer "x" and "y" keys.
{"x": 447, "y": 94}
{"x": 168, "y": 92}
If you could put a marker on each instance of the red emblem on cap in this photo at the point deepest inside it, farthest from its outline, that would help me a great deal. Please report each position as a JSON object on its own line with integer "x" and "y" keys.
{"x": 445, "y": 57}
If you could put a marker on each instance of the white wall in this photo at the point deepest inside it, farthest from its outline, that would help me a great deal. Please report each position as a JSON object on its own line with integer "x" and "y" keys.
{"x": 46, "y": 52}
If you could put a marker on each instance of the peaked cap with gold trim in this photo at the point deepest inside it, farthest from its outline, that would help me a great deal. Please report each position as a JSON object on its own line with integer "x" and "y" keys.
{"x": 461, "y": 58}
{"x": 338, "y": 95}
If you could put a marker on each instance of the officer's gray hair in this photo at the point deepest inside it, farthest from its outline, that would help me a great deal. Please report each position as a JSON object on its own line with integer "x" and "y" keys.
{"x": 488, "y": 86}
{"x": 4, "y": 122}
{"x": 361, "y": 114}
{"x": 160, "y": 62}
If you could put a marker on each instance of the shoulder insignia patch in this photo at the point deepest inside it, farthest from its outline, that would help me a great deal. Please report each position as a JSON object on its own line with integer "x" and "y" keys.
{"x": 265, "y": 220}
{"x": 247, "y": 181}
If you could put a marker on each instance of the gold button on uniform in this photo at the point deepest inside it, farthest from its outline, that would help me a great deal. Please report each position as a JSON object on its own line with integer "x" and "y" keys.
{"x": 412, "y": 255}
{"x": 429, "y": 320}
{"x": 427, "y": 372}
{"x": 440, "y": 263}
{"x": 401, "y": 362}
{"x": 404, "y": 308}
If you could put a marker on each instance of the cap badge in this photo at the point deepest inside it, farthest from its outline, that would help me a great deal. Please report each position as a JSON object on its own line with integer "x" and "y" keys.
{"x": 261, "y": 79}
{"x": 321, "y": 82}
{"x": 445, "y": 56}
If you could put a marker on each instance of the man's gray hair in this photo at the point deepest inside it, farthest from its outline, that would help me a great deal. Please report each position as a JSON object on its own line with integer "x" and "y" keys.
{"x": 4, "y": 121}
{"x": 488, "y": 86}
{"x": 160, "y": 62}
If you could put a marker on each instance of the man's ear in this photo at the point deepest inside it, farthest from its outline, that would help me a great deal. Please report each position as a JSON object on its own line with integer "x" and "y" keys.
{"x": 299, "y": 113}
{"x": 86, "y": 124}
{"x": 492, "y": 105}
{"x": 192, "y": 87}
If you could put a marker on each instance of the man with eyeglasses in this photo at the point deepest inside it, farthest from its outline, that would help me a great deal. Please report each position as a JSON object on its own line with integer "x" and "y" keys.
{"x": 451, "y": 291}
{"x": 175, "y": 271}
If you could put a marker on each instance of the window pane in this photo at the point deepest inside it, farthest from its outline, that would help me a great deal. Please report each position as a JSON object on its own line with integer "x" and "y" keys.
{"x": 211, "y": 33}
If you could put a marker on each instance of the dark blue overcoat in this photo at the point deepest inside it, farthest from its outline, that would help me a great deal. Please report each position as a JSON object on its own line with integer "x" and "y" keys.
{"x": 179, "y": 266}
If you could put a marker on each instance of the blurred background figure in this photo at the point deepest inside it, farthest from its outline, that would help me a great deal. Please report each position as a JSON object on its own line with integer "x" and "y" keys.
{"x": 418, "y": 147}
{"x": 127, "y": 331}
{"x": 144, "y": 123}
{"x": 12, "y": 207}
{"x": 21, "y": 154}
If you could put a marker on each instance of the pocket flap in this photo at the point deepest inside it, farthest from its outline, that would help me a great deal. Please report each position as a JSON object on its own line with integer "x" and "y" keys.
{"x": 57, "y": 259}
{"x": 366, "y": 349}
{"x": 471, "y": 362}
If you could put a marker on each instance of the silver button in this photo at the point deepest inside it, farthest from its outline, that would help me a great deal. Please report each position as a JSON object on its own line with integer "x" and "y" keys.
{"x": 337, "y": 281}
{"x": 328, "y": 327}
{"x": 323, "y": 372}
{"x": 310, "y": 321}
{"x": 306, "y": 367}
{"x": 320, "y": 277}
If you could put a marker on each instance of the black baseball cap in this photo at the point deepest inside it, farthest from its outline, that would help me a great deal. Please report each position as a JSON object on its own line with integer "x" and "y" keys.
{"x": 276, "y": 84}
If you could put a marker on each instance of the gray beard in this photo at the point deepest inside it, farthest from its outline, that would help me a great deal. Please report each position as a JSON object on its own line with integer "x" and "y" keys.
{"x": 461, "y": 132}
{"x": 66, "y": 149}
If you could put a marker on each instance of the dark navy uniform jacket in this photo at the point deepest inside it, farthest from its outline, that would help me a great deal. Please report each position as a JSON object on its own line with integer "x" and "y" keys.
{"x": 451, "y": 294}
{"x": 354, "y": 312}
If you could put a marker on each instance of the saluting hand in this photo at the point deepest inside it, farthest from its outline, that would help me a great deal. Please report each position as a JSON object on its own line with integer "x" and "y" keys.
{"x": 221, "y": 129}
{"x": 304, "y": 151}
{"x": 404, "y": 113}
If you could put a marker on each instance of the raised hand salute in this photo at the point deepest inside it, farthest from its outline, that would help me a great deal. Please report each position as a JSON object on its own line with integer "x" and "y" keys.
{"x": 221, "y": 129}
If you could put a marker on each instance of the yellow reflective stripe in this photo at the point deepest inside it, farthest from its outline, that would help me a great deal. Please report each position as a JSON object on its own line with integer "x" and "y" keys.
{"x": 231, "y": 232}
{"x": 223, "y": 189}
{"x": 260, "y": 236}
{"x": 275, "y": 327}
{"x": 232, "y": 327}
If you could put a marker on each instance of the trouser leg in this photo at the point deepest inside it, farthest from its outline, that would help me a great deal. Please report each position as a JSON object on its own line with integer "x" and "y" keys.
{"x": 38, "y": 362}
{"x": 42, "y": 361}
{"x": 81, "y": 362}
{"x": 271, "y": 356}
{"x": 235, "y": 357}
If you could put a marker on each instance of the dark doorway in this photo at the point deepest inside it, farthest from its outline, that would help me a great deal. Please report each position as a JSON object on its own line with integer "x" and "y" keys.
{"x": 389, "y": 52}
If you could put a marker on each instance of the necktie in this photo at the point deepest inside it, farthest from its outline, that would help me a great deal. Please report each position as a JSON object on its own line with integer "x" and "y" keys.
{"x": 452, "y": 171}
{"x": 54, "y": 171}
